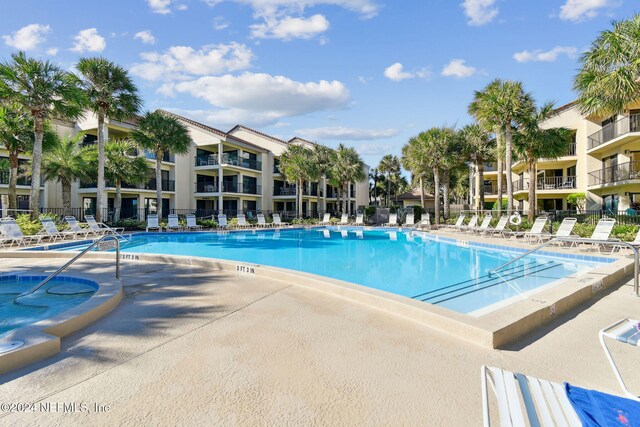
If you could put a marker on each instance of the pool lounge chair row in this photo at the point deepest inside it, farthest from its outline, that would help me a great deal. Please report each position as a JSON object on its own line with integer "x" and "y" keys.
{"x": 173, "y": 223}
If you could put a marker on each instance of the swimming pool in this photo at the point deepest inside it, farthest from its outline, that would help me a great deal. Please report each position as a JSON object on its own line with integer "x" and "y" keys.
{"x": 57, "y": 296}
{"x": 439, "y": 271}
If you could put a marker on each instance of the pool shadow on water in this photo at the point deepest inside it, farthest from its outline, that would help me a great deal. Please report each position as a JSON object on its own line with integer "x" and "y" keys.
{"x": 161, "y": 302}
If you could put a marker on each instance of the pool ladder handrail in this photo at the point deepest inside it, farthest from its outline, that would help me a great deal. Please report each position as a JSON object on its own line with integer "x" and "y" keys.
{"x": 634, "y": 248}
{"x": 74, "y": 259}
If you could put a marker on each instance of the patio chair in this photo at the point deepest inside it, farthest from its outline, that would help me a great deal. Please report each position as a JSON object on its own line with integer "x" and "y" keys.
{"x": 242, "y": 221}
{"x": 459, "y": 222}
{"x": 192, "y": 225}
{"x": 393, "y": 220}
{"x": 564, "y": 230}
{"x": 101, "y": 227}
{"x": 484, "y": 226}
{"x": 550, "y": 404}
{"x": 326, "y": 219}
{"x": 277, "y": 222}
{"x": 174, "y": 223}
{"x": 409, "y": 220}
{"x": 602, "y": 232}
{"x": 635, "y": 242}
{"x": 537, "y": 230}
{"x": 500, "y": 227}
{"x": 13, "y": 233}
{"x": 6, "y": 237}
{"x": 75, "y": 226}
{"x": 50, "y": 231}
{"x": 152, "y": 223}
{"x": 473, "y": 222}
{"x": 222, "y": 221}
{"x": 262, "y": 222}
{"x": 344, "y": 219}
{"x": 359, "y": 219}
{"x": 626, "y": 331}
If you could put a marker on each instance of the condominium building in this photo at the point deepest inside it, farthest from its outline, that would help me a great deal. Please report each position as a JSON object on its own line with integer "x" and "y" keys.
{"x": 222, "y": 172}
{"x": 602, "y": 161}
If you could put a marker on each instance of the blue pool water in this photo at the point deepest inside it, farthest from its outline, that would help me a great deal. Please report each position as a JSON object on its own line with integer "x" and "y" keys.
{"x": 437, "y": 272}
{"x": 45, "y": 303}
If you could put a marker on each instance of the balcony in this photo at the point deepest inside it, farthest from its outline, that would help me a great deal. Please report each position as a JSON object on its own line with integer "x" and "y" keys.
{"x": 167, "y": 157}
{"x": 231, "y": 159}
{"x": 291, "y": 191}
{"x": 276, "y": 168}
{"x": 615, "y": 174}
{"x": 167, "y": 185}
{"x": 4, "y": 179}
{"x": 625, "y": 125}
{"x": 207, "y": 160}
{"x": 551, "y": 183}
{"x": 228, "y": 187}
{"x": 493, "y": 188}
{"x": 206, "y": 187}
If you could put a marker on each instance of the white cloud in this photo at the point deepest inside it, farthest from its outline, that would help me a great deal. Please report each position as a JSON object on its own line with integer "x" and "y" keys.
{"x": 579, "y": 10}
{"x": 260, "y": 99}
{"x": 160, "y": 6}
{"x": 346, "y": 133}
{"x": 366, "y": 8}
{"x": 457, "y": 68}
{"x": 27, "y": 37}
{"x": 89, "y": 40}
{"x": 364, "y": 80}
{"x": 289, "y": 28}
{"x": 480, "y": 12}
{"x": 545, "y": 56}
{"x": 396, "y": 73}
{"x": 219, "y": 23}
{"x": 52, "y": 51}
{"x": 145, "y": 37}
{"x": 372, "y": 149}
{"x": 178, "y": 62}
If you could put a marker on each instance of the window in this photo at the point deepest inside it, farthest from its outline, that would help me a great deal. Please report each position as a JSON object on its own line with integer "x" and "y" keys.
{"x": 610, "y": 203}
{"x": 634, "y": 201}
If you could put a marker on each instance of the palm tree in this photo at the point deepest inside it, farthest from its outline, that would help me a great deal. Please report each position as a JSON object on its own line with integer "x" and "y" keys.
{"x": 498, "y": 107}
{"x": 323, "y": 157}
{"x": 160, "y": 133}
{"x": 297, "y": 166}
{"x": 122, "y": 165}
{"x": 347, "y": 168}
{"x": 389, "y": 165}
{"x": 46, "y": 91}
{"x": 532, "y": 142}
{"x": 374, "y": 175}
{"x": 112, "y": 94}
{"x": 414, "y": 159}
{"x": 609, "y": 77}
{"x": 432, "y": 144}
{"x": 66, "y": 162}
{"x": 451, "y": 159}
{"x": 16, "y": 135}
{"x": 478, "y": 148}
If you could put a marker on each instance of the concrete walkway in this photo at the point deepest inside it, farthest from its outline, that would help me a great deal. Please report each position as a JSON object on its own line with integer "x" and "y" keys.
{"x": 189, "y": 346}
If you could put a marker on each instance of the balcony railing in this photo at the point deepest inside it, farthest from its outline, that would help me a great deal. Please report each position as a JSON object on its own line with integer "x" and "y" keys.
{"x": 493, "y": 188}
{"x": 291, "y": 191}
{"x": 228, "y": 187}
{"x": 167, "y": 157}
{"x": 623, "y": 126}
{"x": 547, "y": 183}
{"x": 251, "y": 189}
{"x": 206, "y": 187}
{"x": 231, "y": 159}
{"x": 210, "y": 160}
{"x": 276, "y": 169}
{"x": 167, "y": 185}
{"x": 612, "y": 174}
{"x": 4, "y": 179}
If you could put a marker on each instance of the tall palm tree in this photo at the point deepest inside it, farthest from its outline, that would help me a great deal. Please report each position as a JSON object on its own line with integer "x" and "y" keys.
{"x": 414, "y": 159}
{"x": 389, "y": 165}
{"x": 374, "y": 175}
{"x": 112, "y": 94}
{"x": 122, "y": 165}
{"x": 16, "y": 136}
{"x": 323, "y": 158}
{"x": 451, "y": 158}
{"x": 46, "y": 91}
{"x": 499, "y": 107}
{"x": 609, "y": 76}
{"x": 297, "y": 166}
{"x": 433, "y": 146}
{"x": 160, "y": 133}
{"x": 66, "y": 162}
{"x": 479, "y": 148}
{"x": 347, "y": 168}
{"x": 532, "y": 142}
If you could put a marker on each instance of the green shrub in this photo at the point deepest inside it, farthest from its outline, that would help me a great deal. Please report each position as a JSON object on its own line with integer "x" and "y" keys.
{"x": 583, "y": 230}
{"x": 27, "y": 225}
{"x": 369, "y": 211}
{"x": 496, "y": 205}
{"x": 233, "y": 222}
{"x": 131, "y": 224}
{"x": 417, "y": 212}
{"x": 207, "y": 223}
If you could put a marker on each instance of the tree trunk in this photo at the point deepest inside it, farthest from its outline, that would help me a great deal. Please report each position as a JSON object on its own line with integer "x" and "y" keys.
{"x": 532, "y": 187}
{"x": 445, "y": 194}
{"x": 13, "y": 180}
{"x": 481, "y": 185}
{"x": 499, "y": 160}
{"x": 159, "y": 156}
{"x": 436, "y": 194}
{"x": 507, "y": 147}
{"x": 36, "y": 164}
{"x": 117, "y": 202}
{"x": 388, "y": 189}
{"x": 101, "y": 160}
{"x": 66, "y": 195}
{"x": 299, "y": 197}
{"x": 422, "y": 194}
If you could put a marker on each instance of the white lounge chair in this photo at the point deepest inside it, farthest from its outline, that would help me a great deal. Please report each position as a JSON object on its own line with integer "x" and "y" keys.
{"x": 484, "y": 225}
{"x": 564, "y": 230}
{"x": 222, "y": 221}
{"x": 602, "y": 232}
{"x": 409, "y": 220}
{"x": 536, "y": 232}
{"x": 152, "y": 223}
{"x": 262, "y": 222}
{"x": 326, "y": 219}
{"x": 75, "y": 226}
{"x": 393, "y": 220}
{"x": 545, "y": 402}
{"x": 277, "y": 222}
{"x": 473, "y": 223}
{"x": 626, "y": 331}
{"x": 635, "y": 242}
{"x": 173, "y": 223}
{"x": 13, "y": 233}
{"x": 359, "y": 219}
{"x": 242, "y": 221}
{"x": 500, "y": 227}
{"x": 50, "y": 230}
{"x": 459, "y": 222}
{"x": 192, "y": 225}
{"x": 344, "y": 219}
{"x": 101, "y": 227}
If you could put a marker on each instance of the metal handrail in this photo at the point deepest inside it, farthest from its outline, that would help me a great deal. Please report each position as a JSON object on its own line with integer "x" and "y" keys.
{"x": 74, "y": 259}
{"x": 634, "y": 248}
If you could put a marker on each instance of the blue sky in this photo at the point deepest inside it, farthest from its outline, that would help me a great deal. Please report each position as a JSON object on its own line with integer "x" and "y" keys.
{"x": 368, "y": 73}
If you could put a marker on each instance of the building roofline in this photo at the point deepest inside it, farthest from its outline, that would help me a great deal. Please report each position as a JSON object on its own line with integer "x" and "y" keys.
{"x": 565, "y": 107}
{"x": 257, "y": 132}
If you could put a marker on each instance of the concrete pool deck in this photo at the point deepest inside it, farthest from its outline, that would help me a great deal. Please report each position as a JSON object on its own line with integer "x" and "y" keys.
{"x": 190, "y": 345}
